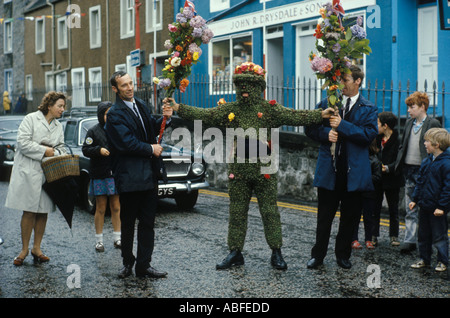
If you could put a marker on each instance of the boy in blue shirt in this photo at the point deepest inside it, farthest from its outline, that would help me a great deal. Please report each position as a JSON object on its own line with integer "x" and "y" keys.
{"x": 432, "y": 195}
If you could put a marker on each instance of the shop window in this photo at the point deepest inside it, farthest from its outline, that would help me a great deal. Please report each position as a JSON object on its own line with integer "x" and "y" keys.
{"x": 227, "y": 54}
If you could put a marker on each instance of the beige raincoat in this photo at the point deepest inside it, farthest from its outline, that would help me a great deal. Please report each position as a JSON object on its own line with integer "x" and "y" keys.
{"x": 25, "y": 187}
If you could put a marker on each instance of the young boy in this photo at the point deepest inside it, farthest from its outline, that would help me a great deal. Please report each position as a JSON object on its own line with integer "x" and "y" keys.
{"x": 410, "y": 155}
{"x": 432, "y": 195}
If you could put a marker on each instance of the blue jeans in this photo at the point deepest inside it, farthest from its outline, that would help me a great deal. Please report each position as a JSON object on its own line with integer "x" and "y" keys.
{"x": 411, "y": 174}
{"x": 433, "y": 231}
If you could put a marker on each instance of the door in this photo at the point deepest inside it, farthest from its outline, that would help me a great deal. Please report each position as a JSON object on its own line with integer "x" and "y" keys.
{"x": 275, "y": 72}
{"x": 427, "y": 48}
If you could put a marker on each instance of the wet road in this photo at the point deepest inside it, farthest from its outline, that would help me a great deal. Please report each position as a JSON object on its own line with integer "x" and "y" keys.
{"x": 188, "y": 244}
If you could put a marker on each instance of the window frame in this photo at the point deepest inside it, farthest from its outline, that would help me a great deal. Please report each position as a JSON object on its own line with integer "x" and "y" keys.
{"x": 230, "y": 38}
{"x": 97, "y": 33}
{"x": 78, "y": 92}
{"x": 10, "y": 81}
{"x": 8, "y": 37}
{"x": 39, "y": 48}
{"x": 93, "y": 95}
{"x": 29, "y": 87}
{"x": 150, "y": 26}
{"x": 124, "y": 20}
{"x": 62, "y": 38}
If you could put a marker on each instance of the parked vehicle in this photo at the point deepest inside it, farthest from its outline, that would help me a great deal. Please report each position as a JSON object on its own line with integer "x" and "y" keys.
{"x": 9, "y": 126}
{"x": 185, "y": 177}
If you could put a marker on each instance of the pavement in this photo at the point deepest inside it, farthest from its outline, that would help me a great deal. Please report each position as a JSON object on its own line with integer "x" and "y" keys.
{"x": 188, "y": 244}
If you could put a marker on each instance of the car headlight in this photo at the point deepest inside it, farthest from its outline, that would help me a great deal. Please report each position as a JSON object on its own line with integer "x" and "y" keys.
{"x": 198, "y": 168}
{"x": 9, "y": 156}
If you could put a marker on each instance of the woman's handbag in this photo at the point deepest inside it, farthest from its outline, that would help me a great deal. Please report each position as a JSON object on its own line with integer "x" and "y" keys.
{"x": 59, "y": 167}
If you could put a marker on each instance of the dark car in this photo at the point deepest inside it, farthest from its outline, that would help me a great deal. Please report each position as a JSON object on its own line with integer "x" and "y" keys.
{"x": 9, "y": 126}
{"x": 185, "y": 177}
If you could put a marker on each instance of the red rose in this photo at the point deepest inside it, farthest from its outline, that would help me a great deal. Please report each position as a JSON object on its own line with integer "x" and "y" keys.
{"x": 272, "y": 102}
{"x": 260, "y": 115}
{"x": 267, "y": 176}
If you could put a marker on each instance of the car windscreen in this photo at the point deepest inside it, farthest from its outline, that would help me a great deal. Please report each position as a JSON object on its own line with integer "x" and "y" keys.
{"x": 8, "y": 125}
{"x": 85, "y": 126}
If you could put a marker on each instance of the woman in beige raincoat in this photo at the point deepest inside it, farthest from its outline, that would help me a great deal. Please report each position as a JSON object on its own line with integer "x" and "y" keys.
{"x": 38, "y": 136}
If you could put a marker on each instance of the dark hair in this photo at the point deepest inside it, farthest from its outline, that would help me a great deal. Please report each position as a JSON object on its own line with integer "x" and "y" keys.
{"x": 388, "y": 118}
{"x": 115, "y": 75}
{"x": 49, "y": 100}
{"x": 357, "y": 73}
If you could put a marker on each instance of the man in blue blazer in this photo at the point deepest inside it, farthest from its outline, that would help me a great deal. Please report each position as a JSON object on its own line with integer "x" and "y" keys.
{"x": 132, "y": 132}
{"x": 343, "y": 178}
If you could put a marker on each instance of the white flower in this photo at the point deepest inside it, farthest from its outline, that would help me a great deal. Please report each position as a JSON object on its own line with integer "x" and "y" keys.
{"x": 156, "y": 80}
{"x": 176, "y": 61}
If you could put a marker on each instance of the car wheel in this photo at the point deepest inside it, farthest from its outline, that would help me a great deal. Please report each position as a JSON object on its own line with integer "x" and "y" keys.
{"x": 87, "y": 201}
{"x": 186, "y": 200}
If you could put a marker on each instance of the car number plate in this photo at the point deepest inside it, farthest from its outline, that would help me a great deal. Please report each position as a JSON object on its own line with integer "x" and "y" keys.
{"x": 166, "y": 191}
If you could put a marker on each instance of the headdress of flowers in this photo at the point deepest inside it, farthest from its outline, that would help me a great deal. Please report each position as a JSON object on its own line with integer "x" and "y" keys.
{"x": 187, "y": 33}
{"x": 336, "y": 46}
{"x": 250, "y": 68}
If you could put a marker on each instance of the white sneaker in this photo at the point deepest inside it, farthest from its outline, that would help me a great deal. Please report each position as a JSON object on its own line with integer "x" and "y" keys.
{"x": 440, "y": 267}
{"x": 419, "y": 264}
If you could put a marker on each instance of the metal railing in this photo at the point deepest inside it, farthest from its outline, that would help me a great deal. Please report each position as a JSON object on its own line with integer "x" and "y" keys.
{"x": 297, "y": 93}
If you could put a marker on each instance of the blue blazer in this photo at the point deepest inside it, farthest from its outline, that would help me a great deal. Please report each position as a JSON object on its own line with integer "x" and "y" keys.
{"x": 357, "y": 131}
{"x": 133, "y": 166}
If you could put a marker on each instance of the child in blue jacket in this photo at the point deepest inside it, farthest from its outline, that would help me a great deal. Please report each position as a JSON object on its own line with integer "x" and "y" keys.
{"x": 432, "y": 195}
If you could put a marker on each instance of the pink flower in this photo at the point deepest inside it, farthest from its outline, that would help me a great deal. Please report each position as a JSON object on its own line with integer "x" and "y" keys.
{"x": 172, "y": 28}
{"x": 231, "y": 176}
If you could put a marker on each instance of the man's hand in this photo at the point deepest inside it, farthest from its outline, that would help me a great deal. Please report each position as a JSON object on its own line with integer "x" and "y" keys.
{"x": 333, "y": 136}
{"x": 170, "y": 102}
{"x": 411, "y": 205}
{"x": 49, "y": 152}
{"x": 104, "y": 152}
{"x": 327, "y": 113}
{"x": 335, "y": 121}
{"x": 157, "y": 150}
{"x": 167, "y": 111}
{"x": 438, "y": 212}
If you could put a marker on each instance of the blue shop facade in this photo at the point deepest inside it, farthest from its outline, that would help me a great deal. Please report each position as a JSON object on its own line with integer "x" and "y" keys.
{"x": 409, "y": 51}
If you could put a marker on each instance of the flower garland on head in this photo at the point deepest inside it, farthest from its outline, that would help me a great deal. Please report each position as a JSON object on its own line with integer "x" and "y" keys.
{"x": 250, "y": 68}
{"x": 335, "y": 47}
{"x": 187, "y": 33}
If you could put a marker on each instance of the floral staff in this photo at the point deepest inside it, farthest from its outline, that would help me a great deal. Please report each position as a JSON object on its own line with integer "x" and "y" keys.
{"x": 187, "y": 33}
{"x": 336, "y": 46}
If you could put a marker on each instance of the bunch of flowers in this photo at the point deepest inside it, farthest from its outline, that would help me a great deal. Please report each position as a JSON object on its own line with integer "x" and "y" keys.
{"x": 250, "y": 68}
{"x": 336, "y": 46}
{"x": 187, "y": 33}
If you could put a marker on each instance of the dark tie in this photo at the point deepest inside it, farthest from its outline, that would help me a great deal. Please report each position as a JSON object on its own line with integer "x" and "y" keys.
{"x": 136, "y": 112}
{"x": 347, "y": 107}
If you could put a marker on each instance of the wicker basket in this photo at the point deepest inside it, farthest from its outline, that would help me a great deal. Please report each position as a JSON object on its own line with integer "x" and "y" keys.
{"x": 58, "y": 167}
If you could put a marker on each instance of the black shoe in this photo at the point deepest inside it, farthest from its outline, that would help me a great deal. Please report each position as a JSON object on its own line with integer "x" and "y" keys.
{"x": 277, "y": 260}
{"x": 126, "y": 271}
{"x": 150, "y": 272}
{"x": 407, "y": 247}
{"x": 344, "y": 263}
{"x": 235, "y": 258}
{"x": 314, "y": 263}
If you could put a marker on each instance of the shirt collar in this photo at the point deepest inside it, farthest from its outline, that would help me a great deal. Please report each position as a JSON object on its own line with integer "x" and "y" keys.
{"x": 353, "y": 100}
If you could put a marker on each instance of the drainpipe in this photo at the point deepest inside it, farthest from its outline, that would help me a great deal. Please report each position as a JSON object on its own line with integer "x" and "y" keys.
{"x": 53, "y": 42}
{"x": 107, "y": 47}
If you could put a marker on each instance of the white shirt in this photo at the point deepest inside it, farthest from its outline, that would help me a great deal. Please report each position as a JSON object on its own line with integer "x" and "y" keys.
{"x": 353, "y": 101}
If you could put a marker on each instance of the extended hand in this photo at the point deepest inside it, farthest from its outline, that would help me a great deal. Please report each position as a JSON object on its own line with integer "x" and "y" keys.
{"x": 168, "y": 101}
{"x": 327, "y": 113}
{"x": 167, "y": 111}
